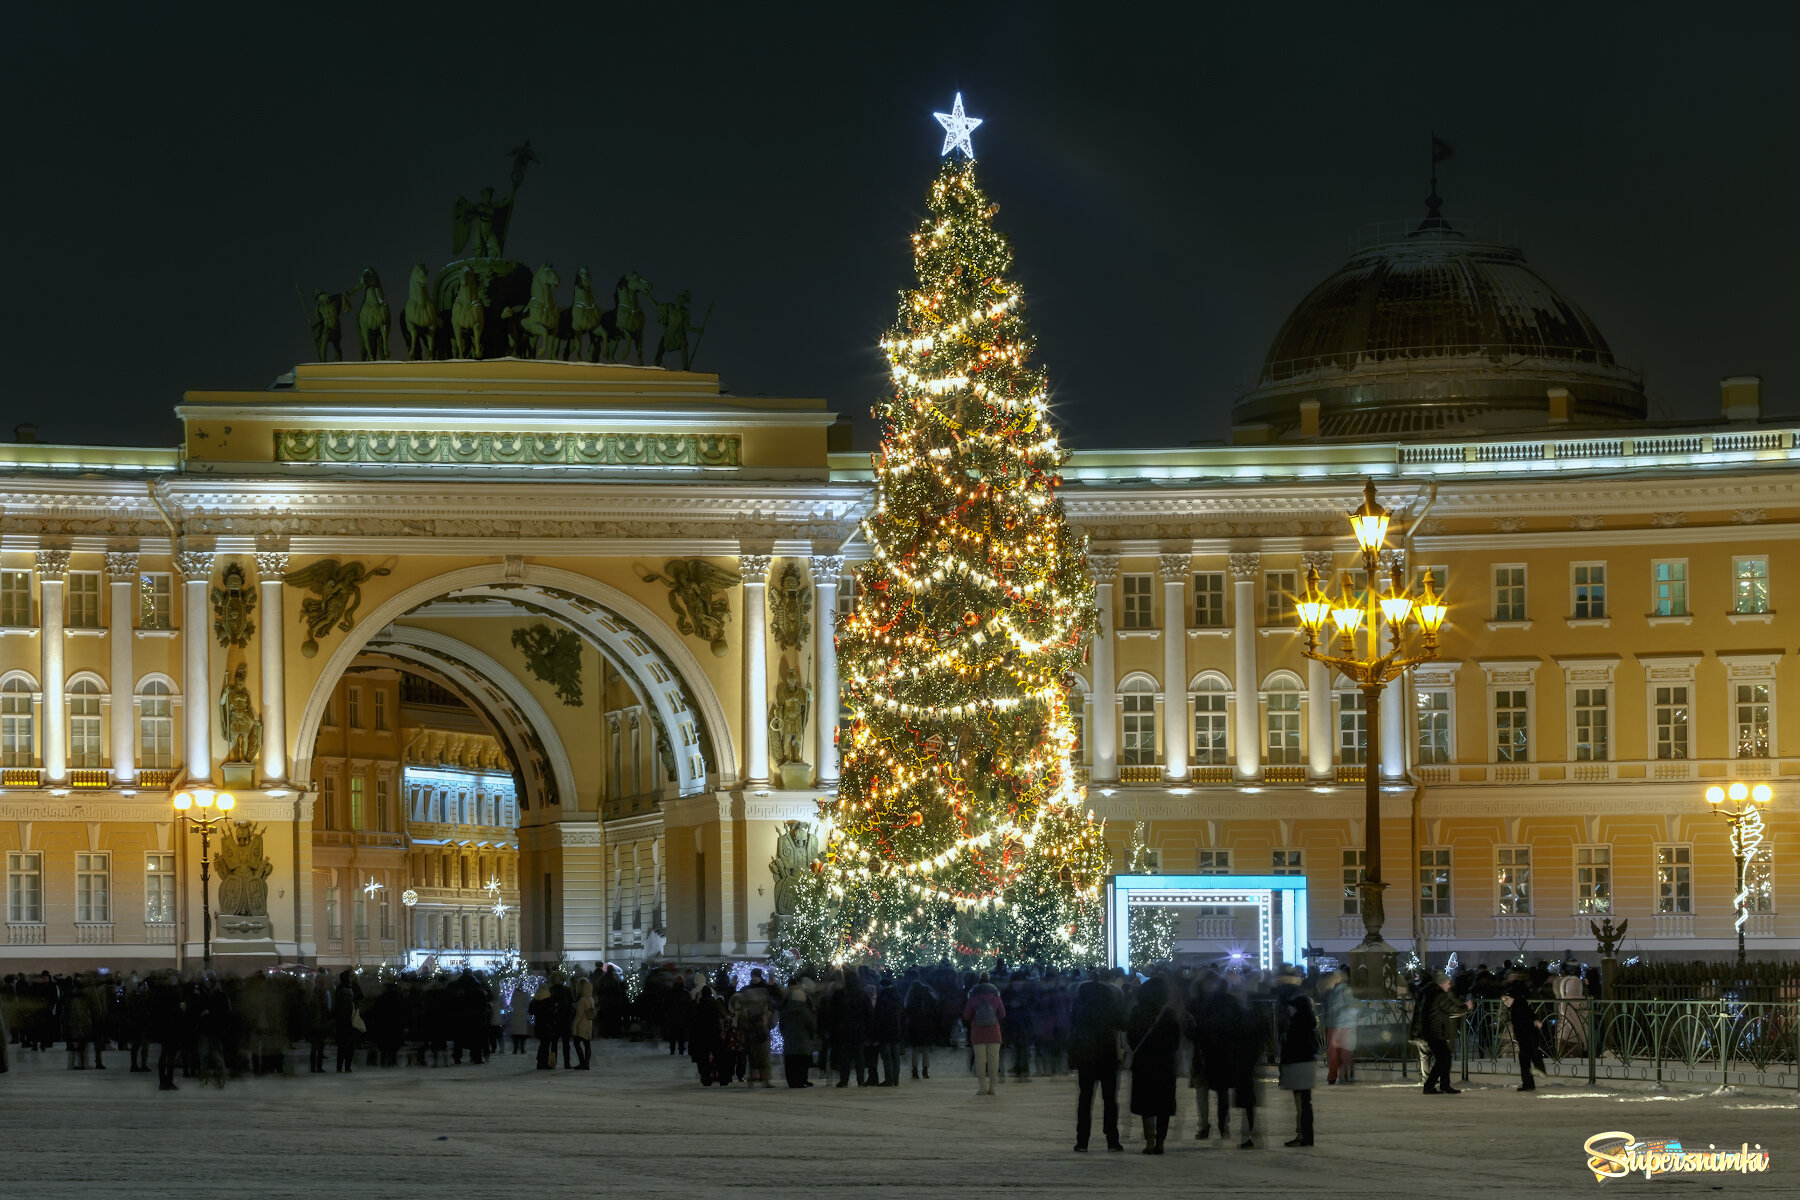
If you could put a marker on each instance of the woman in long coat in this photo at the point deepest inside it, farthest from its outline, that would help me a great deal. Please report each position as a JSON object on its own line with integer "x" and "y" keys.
{"x": 706, "y": 1038}
{"x": 799, "y": 1028}
{"x": 1299, "y": 1046}
{"x": 1155, "y": 1037}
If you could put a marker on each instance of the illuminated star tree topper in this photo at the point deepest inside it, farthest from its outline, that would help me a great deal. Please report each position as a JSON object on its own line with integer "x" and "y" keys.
{"x": 957, "y": 128}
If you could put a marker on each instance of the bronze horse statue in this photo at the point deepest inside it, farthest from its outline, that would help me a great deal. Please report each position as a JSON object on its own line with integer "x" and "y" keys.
{"x": 468, "y": 317}
{"x": 625, "y": 321}
{"x": 545, "y": 322}
{"x": 373, "y": 319}
{"x": 423, "y": 320}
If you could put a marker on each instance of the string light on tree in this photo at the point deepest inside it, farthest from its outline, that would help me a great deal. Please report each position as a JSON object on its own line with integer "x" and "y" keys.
{"x": 958, "y": 829}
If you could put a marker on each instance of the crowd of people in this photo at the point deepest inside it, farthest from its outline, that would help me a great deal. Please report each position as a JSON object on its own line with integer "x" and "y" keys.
{"x": 1215, "y": 1028}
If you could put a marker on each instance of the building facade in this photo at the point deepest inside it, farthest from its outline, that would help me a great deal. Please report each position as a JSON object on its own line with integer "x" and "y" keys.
{"x": 565, "y": 629}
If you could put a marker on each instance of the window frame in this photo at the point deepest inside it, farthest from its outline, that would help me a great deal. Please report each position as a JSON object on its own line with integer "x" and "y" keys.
{"x": 1287, "y": 756}
{"x": 1138, "y": 701}
{"x": 1680, "y": 887}
{"x": 83, "y": 588}
{"x": 16, "y": 588}
{"x": 1209, "y": 700}
{"x": 1419, "y": 727}
{"x": 159, "y": 885}
{"x": 1280, "y": 590}
{"x": 93, "y": 887}
{"x": 156, "y": 600}
{"x": 1202, "y": 615}
{"x": 154, "y": 709}
{"x": 1344, "y": 722}
{"x": 1442, "y": 904}
{"x": 18, "y": 722}
{"x": 1578, "y": 690}
{"x": 1510, "y": 616}
{"x": 86, "y": 746}
{"x": 1756, "y": 582}
{"x": 1137, "y": 610}
{"x": 1512, "y": 873}
{"x": 1352, "y": 860}
{"x": 1668, "y": 605}
{"x": 1287, "y": 860}
{"x": 1576, "y": 587}
{"x": 1522, "y": 694}
{"x": 1600, "y": 876}
{"x": 18, "y": 869}
{"x": 1738, "y": 706}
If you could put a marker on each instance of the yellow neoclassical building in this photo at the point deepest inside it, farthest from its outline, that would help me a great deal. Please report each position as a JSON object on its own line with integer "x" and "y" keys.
{"x": 565, "y": 629}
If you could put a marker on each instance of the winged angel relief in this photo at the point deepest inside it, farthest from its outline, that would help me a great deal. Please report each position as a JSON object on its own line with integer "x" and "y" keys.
{"x": 337, "y": 593}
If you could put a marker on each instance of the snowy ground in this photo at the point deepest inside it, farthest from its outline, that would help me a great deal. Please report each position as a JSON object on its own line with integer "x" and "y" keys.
{"x": 639, "y": 1124}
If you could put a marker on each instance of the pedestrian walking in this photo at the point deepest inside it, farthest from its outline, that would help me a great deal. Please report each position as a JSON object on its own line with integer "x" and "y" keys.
{"x": 1155, "y": 1035}
{"x": 1299, "y": 1050}
{"x": 984, "y": 1013}
{"x": 1515, "y": 995}
{"x": 1443, "y": 1015}
{"x": 1338, "y": 1015}
{"x": 583, "y": 1025}
{"x": 1096, "y": 1020}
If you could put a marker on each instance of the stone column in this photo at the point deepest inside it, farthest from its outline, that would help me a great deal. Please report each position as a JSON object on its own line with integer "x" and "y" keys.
{"x": 755, "y": 570}
{"x": 196, "y": 680}
{"x": 1103, "y": 729}
{"x": 53, "y": 570}
{"x": 826, "y": 570}
{"x": 1393, "y": 726}
{"x": 1319, "y": 742}
{"x": 271, "y": 565}
{"x": 121, "y": 577}
{"x": 1177, "y": 729}
{"x": 1245, "y": 568}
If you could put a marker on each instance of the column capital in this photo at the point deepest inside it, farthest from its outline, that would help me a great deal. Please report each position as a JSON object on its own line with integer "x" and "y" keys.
{"x": 1390, "y": 558}
{"x": 827, "y": 569}
{"x": 53, "y": 564}
{"x": 1321, "y": 561}
{"x": 1103, "y": 567}
{"x": 1245, "y": 565}
{"x": 120, "y": 563}
{"x": 271, "y": 565}
{"x": 1175, "y": 567}
{"x": 755, "y": 568}
{"x": 194, "y": 565}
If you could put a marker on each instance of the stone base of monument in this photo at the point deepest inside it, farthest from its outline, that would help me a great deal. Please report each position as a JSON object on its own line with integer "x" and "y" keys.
{"x": 243, "y": 944}
{"x": 1372, "y": 969}
{"x": 239, "y": 775}
{"x": 796, "y": 776}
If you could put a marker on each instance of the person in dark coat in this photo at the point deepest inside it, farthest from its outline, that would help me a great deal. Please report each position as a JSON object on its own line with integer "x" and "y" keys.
{"x": 1442, "y": 1015}
{"x": 1243, "y": 1049}
{"x": 850, "y": 1016}
{"x": 1299, "y": 1047}
{"x": 1515, "y": 995}
{"x": 885, "y": 1030}
{"x": 706, "y": 1038}
{"x": 562, "y": 1021}
{"x": 167, "y": 1017}
{"x": 1095, "y": 1023}
{"x": 1155, "y": 1036}
{"x": 677, "y": 1009}
{"x": 799, "y": 1027}
{"x": 923, "y": 1007}
{"x": 344, "y": 1003}
{"x": 543, "y": 1024}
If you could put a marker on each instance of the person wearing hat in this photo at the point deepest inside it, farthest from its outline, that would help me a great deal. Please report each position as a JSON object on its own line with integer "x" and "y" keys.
{"x": 1515, "y": 995}
{"x": 1441, "y": 1022}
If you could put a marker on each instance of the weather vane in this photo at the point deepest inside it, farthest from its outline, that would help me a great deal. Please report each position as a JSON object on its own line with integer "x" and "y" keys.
{"x": 957, "y": 128}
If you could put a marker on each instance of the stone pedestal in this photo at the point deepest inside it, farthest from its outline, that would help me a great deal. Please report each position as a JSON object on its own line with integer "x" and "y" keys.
{"x": 239, "y": 775}
{"x": 1374, "y": 964}
{"x": 796, "y": 776}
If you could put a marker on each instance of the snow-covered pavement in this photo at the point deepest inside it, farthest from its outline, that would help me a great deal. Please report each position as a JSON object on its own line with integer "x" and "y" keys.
{"x": 640, "y": 1124}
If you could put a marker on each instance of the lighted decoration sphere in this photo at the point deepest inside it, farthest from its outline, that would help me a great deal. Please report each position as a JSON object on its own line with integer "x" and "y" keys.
{"x": 1715, "y": 794}
{"x": 183, "y": 801}
{"x": 1761, "y": 793}
{"x": 1738, "y": 791}
{"x": 409, "y": 897}
{"x": 226, "y": 802}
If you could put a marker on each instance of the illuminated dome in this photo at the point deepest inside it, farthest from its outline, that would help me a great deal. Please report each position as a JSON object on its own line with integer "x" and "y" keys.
{"x": 1437, "y": 328}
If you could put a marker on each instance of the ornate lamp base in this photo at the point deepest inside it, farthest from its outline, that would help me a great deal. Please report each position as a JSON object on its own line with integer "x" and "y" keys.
{"x": 1373, "y": 964}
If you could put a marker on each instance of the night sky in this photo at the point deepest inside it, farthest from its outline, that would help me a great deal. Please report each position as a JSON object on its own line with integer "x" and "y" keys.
{"x": 1173, "y": 185}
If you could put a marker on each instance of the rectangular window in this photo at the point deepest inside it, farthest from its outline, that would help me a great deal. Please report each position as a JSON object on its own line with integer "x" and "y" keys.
{"x": 93, "y": 890}
{"x": 156, "y": 727}
{"x": 1674, "y": 879}
{"x": 382, "y": 787}
{"x": 1590, "y": 725}
{"x": 328, "y": 718}
{"x": 15, "y": 598}
{"x": 1512, "y": 735}
{"x": 1139, "y": 748}
{"x": 1284, "y": 727}
{"x": 1750, "y": 719}
{"x": 1278, "y": 590}
{"x": 1750, "y": 585}
{"x": 159, "y": 889}
{"x": 1434, "y": 883}
{"x": 156, "y": 601}
{"x": 387, "y": 914}
{"x": 334, "y": 926}
{"x": 1139, "y": 603}
{"x": 359, "y": 914}
{"x": 353, "y": 707}
{"x": 380, "y": 709}
{"x": 1434, "y": 726}
{"x": 1355, "y": 871}
{"x": 84, "y": 600}
{"x": 1286, "y": 862}
{"x": 84, "y": 725}
{"x": 1209, "y": 600}
{"x": 1668, "y": 590}
{"x": 1509, "y": 593}
{"x": 1590, "y": 591}
{"x": 25, "y": 888}
{"x": 1593, "y": 879}
{"x": 1513, "y": 874}
{"x": 1671, "y": 711}
{"x": 356, "y": 802}
{"x": 1353, "y": 728}
{"x": 328, "y": 802}
{"x": 1209, "y": 727}
{"x": 1214, "y": 862}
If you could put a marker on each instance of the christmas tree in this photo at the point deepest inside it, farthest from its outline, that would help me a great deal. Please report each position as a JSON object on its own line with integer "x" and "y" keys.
{"x": 1152, "y": 929}
{"x": 958, "y": 829}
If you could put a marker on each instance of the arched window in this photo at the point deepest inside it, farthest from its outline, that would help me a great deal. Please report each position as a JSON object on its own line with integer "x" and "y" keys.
{"x": 15, "y": 723}
{"x": 156, "y": 725}
{"x": 84, "y": 723}
{"x": 1209, "y": 722}
{"x": 1284, "y": 722}
{"x": 1138, "y": 704}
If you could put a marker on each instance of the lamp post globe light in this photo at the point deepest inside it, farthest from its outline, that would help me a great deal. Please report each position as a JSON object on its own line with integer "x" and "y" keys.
{"x": 1746, "y": 839}
{"x": 202, "y": 809}
{"x": 1360, "y": 621}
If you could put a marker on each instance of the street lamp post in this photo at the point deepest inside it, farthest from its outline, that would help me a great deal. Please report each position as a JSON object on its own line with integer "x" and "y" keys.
{"x": 1746, "y": 839}
{"x": 213, "y": 809}
{"x": 1394, "y": 609}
